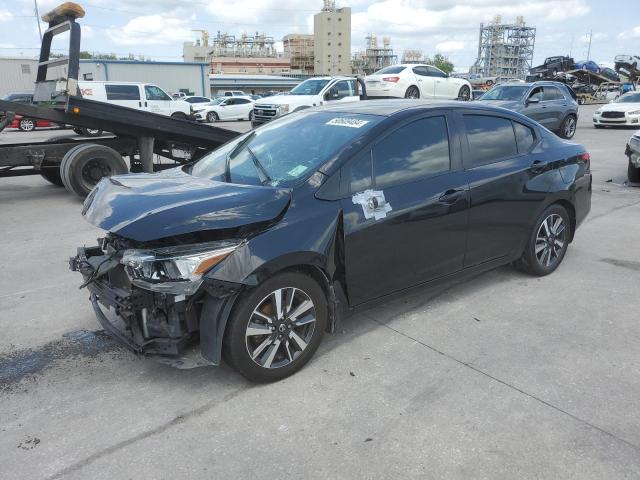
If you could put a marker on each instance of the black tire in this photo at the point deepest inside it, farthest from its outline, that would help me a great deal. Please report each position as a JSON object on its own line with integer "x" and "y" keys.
{"x": 180, "y": 115}
{"x": 250, "y": 116}
{"x": 237, "y": 343}
{"x": 568, "y": 127}
{"x": 598, "y": 126}
{"x": 465, "y": 93}
{"x": 26, "y": 125}
{"x": 530, "y": 262}
{"x": 633, "y": 173}
{"x": 581, "y": 101}
{"x": 212, "y": 117}
{"x": 255, "y": 124}
{"x": 51, "y": 173}
{"x": 412, "y": 92}
{"x": 85, "y": 165}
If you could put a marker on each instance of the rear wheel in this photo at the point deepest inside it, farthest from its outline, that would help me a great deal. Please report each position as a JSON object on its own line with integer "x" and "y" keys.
{"x": 568, "y": 127}
{"x": 180, "y": 115}
{"x": 212, "y": 117}
{"x": 412, "y": 92}
{"x": 633, "y": 173}
{"x": 548, "y": 242}
{"x": 85, "y": 165}
{"x": 464, "y": 94}
{"x": 276, "y": 328}
{"x": 27, "y": 125}
{"x": 51, "y": 173}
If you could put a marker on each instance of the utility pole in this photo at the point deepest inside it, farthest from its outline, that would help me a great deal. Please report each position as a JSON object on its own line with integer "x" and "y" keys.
{"x": 38, "y": 19}
{"x": 589, "y": 49}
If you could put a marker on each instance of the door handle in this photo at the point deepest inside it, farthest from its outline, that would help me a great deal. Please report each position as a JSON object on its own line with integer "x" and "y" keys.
{"x": 451, "y": 196}
{"x": 537, "y": 166}
{"x": 139, "y": 104}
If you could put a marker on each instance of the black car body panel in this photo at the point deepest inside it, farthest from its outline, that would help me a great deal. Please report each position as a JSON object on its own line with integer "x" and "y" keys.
{"x": 465, "y": 219}
{"x": 146, "y": 207}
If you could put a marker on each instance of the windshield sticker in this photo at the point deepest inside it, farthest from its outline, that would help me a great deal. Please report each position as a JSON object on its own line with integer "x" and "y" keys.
{"x": 294, "y": 172}
{"x": 373, "y": 204}
{"x": 347, "y": 122}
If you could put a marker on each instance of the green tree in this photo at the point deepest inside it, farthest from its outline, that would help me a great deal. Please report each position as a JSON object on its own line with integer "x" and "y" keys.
{"x": 440, "y": 61}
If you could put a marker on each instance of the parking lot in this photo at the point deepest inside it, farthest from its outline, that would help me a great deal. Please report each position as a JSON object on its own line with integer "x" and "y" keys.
{"x": 501, "y": 376}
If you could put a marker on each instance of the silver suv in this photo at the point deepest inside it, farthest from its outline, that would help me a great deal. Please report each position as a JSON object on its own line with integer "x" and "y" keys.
{"x": 552, "y": 104}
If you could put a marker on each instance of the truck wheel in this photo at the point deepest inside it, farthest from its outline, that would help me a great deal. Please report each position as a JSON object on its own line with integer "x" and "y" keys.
{"x": 85, "y": 165}
{"x": 51, "y": 173}
{"x": 179, "y": 115}
{"x": 633, "y": 173}
{"x": 275, "y": 328}
{"x": 27, "y": 125}
{"x": 581, "y": 100}
{"x": 255, "y": 124}
{"x": 212, "y": 117}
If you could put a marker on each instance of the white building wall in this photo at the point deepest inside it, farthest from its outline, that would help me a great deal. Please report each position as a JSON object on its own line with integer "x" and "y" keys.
{"x": 17, "y": 75}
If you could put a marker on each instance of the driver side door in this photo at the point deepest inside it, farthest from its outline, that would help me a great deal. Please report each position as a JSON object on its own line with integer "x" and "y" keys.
{"x": 156, "y": 100}
{"x": 345, "y": 90}
{"x": 442, "y": 85}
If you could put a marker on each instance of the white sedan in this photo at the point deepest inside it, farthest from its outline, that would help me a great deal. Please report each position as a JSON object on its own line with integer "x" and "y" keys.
{"x": 416, "y": 81}
{"x": 625, "y": 110}
{"x": 225, "y": 108}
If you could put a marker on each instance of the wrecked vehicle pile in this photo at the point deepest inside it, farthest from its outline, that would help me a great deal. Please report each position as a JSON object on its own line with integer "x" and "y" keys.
{"x": 255, "y": 249}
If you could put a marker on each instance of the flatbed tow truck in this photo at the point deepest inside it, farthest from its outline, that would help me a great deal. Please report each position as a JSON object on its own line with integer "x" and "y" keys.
{"x": 79, "y": 163}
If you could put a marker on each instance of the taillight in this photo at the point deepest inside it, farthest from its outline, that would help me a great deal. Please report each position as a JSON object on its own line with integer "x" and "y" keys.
{"x": 586, "y": 158}
{"x": 391, "y": 79}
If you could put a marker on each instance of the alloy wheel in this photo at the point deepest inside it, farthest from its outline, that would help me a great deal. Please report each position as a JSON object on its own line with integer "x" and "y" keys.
{"x": 27, "y": 125}
{"x": 412, "y": 92}
{"x": 550, "y": 240}
{"x": 465, "y": 94}
{"x": 570, "y": 127}
{"x": 280, "y": 327}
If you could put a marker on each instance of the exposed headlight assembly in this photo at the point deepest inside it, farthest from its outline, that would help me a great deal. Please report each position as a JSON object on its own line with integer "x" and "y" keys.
{"x": 176, "y": 270}
{"x": 284, "y": 109}
{"x": 635, "y": 112}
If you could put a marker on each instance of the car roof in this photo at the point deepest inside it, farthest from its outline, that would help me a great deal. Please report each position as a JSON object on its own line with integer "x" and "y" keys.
{"x": 388, "y": 107}
{"x": 539, "y": 83}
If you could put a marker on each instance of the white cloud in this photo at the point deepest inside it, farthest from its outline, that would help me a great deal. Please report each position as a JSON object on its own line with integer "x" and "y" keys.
{"x": 596, "y": 36}
{"x": 449, "y": 46}
{"x": 633, "y": 33}
{"x": 151, "y": 30}
{"x": 5, "y": 15}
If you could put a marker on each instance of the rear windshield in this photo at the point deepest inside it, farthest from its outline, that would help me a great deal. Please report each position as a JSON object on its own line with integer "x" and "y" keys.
{"x": 505, "y": 92}
{"x": 392, "y": 69}
{"x": 285, "y": 150}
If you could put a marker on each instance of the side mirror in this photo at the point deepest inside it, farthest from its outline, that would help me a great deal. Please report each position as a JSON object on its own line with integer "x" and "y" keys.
{"x": 332, "y": 94}
{"x": 533, "y": 100}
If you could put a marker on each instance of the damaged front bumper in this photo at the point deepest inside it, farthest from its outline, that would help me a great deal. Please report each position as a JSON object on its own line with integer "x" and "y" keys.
{"x": 184, "y": 331}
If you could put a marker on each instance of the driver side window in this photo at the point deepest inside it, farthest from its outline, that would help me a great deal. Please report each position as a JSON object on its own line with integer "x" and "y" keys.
{"x": 345, "y": 88}
{"x": 155, "y": 93}
{"x": 536, "y": 93}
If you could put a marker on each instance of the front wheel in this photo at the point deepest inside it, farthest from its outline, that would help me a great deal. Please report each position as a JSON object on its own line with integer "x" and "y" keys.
{"x": 633, "y": 173}
{"x": 212, "y": 117}
{"x": 276, "y": 327}
{"x": 27, "y": 125}
{"x": 548, "y": 242}
{"x": 412, "y": 92}
{"x": 464, "y": 94}
{"x": 568, "y": 127}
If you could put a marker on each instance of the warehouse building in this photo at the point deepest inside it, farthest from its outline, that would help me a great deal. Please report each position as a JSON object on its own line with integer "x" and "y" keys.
{"x": 252, "y": 84}
{"x": 17, "y": 74}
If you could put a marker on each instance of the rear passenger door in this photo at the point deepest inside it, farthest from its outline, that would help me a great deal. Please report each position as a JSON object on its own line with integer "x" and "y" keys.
{"x": 426, "y": 83}
{"x": 405, "y": 213}
{"x": 507, "y": 182}
{"x": 554, "y": 103}
{"x": 123, "y": 95}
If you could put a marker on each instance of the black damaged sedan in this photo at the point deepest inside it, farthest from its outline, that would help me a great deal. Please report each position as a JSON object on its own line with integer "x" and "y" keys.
{"x": 256, "y": 250}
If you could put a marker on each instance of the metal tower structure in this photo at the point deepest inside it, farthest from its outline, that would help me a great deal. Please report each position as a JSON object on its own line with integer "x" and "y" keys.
{"x": 505, "y": 50}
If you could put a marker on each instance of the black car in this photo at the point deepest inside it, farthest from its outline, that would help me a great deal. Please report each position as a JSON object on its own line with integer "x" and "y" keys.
{"x": 260, "y": 247}
{"x": 553, "y": 104}
{"x": 552, "y": 66}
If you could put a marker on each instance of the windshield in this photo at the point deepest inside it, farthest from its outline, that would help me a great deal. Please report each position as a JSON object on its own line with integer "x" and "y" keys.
{"x": 313, "y": 86}
{"x": 285, "y": 150}
{"x": 505, "y": 92}
{"x": 392, "y": 69}
{"x": 629, "y": 98}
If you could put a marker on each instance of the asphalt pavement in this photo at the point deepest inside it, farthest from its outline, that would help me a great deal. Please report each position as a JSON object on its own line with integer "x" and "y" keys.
{"x": 500, "y": 376}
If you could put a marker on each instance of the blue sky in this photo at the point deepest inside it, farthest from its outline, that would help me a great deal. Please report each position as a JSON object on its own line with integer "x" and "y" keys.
{"x": 157, "y": 28}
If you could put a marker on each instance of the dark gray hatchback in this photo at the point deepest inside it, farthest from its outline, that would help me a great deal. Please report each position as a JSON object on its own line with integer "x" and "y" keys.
{"x": 551, "y": 104}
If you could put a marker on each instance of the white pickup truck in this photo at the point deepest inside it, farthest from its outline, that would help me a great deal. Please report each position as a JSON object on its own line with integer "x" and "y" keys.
{"x": 310, "y": 93}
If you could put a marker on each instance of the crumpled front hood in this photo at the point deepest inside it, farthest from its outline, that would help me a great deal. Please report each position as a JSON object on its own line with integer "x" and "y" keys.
{"x": 146, "y": 207}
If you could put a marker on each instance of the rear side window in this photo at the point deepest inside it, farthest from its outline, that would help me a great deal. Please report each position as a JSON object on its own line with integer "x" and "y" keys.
{"x": 552, "y": 93}
{"x": 242, "y": 100}
{"x": 434, "y": 72}
{"x": 393, "y": 69}
{"x": 490, "y": 139}
{"x": 524, "y": 137}
{"x": 122, "y": 92}
{"x": 413, "y": 151}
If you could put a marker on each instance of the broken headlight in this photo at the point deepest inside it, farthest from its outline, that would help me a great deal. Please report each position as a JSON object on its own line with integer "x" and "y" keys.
{"x": 176, "y": 270}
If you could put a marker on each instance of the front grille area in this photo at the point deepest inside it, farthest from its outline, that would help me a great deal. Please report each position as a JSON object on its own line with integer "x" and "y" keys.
{"x": 265, "y": 111}
{"x": 612, "y": 114}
